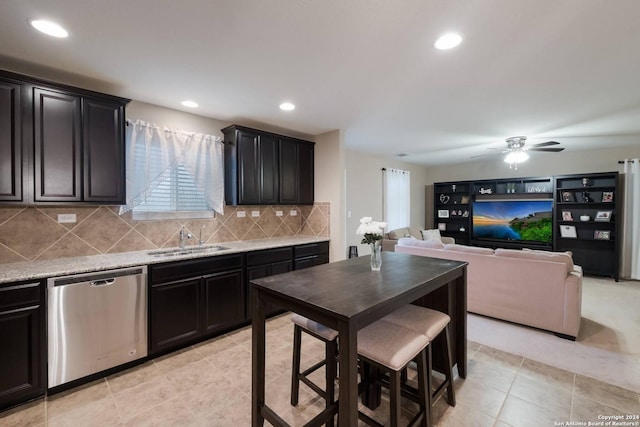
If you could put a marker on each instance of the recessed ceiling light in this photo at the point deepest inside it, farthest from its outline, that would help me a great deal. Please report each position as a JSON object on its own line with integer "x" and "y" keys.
{"x": 287, "y": 106}
{"x": 190, "y": 104}
{"x": 448, "y": 41}
{"x": 49, "y": 28}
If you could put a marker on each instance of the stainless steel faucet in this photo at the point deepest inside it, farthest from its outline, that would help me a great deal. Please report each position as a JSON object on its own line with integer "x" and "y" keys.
{"x": 183, "y": 237}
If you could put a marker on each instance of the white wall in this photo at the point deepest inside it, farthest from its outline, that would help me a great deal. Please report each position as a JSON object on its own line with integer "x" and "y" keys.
{"x": 364, "y": 192}
{"x": 330, "y": 187}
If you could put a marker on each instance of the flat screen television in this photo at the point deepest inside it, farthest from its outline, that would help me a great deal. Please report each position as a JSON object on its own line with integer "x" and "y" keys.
{"x": 527, "y": 221}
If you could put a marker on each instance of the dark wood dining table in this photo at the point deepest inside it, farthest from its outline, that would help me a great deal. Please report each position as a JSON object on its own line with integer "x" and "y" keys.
{"x": 347, "y": 296}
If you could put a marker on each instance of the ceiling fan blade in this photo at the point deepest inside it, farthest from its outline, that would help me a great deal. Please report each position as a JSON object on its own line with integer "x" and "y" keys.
{"x": 545, "y": 144}
{"x": 548, "y": 150}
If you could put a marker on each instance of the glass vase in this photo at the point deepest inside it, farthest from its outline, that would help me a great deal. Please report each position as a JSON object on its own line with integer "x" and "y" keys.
{"x": 376, "y": 255}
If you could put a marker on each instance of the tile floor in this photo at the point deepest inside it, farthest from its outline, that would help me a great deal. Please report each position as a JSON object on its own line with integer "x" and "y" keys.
{"x": 209, "y": 385}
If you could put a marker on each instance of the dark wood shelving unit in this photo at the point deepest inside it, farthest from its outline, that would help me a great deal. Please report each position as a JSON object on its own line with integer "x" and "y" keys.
{"x": 595, "y": 246}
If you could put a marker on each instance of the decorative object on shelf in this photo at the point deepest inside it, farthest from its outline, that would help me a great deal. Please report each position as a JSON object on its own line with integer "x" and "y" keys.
{"x": 459, "y": 212}
{"x": 536, "y": 188}
{"x": 566, "y": 216}
{"x": 465, "y": 214}
{"x": 443, "y": 213}
{"x": 567, "y": 196}
{"x": 444, "y": 199}
{"x": 453, "y": 212}
{"x": 585, "y": 218}
{"x": 453, "y": 188}
{"x": 568, "y": 231}
{"x": 603, "y": 216}
{"x": 372, "y": 233}
{"x": 586, "y": 197}
{"x": 607, "y": 196}
{"x": 586, "y": 182}
{"x": 464, "y": 200}
{"x": 462, "y": 229}
{"x": 483, "y": 190}
{"x": 442, "y": 226}
{"x": 511, "y": 187}
{"x": 601, "y": 234}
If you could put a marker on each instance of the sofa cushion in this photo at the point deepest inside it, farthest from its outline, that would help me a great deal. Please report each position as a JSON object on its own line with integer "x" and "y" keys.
{"x": 431, "y": 235}
{"x": 469, "y": 249}
{"x": 538, "y": 255}
{"x": 416, "y": 232}
{"x": 399, "y": 233}
{"x": 410, "y": 241}
{"x": 548, "y": 252}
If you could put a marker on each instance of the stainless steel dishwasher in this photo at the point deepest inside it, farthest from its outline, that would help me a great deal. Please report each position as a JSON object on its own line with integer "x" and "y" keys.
{"x": 95, "y": 321}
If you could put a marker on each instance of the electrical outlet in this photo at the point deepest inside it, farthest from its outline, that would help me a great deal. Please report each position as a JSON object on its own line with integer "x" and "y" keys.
{"x": 67, "y": 218}
{"x": 241, "y": 214}
{"x": 293, "y": 212}
{"x": 278, "y": 213}
{"x": 255, "y": 214}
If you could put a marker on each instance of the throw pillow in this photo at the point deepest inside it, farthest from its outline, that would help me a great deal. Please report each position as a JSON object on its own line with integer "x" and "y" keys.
{"x": 548, "y": 252}
{"x": 398, "y": 233}
{"x": 431, "y": 235}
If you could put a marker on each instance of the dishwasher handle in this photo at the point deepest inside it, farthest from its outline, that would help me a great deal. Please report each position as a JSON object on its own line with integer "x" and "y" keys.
{"x": 105, "y": 282}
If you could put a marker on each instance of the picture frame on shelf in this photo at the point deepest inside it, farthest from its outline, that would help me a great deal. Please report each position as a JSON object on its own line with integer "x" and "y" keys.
{"x": 442, "y": 226}
{"x": 607, "y": 196}
{"x": 602, "y": 234}
{"x": 568, "y": 232}
{"x": 567, "y": 196}
{"x": 464, "y": 200}
{"x": 567, "y": 216}
{"x": 603, "y": 216}
{"x": 443, "y": 213}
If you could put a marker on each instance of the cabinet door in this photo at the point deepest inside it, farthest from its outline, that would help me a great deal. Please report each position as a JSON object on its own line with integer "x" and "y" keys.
{"x": 22, "y": 339}
{"x": 288, "y": 171}
{"x": 175, "y": 314}
{"x": 305, "y": 174}
{"x": 57, "y": 140}
{"x": 224, "y": 301}
{"x": 258, "y": 273}
{"x": 248, "y": 168}
{"x": 103, "y": 144}
{"x": 10, "y": 142}
{"x": 269, "y": 170}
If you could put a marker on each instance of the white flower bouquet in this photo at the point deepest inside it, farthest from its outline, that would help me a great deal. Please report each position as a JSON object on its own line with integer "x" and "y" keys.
{"x": 370, "y": 230}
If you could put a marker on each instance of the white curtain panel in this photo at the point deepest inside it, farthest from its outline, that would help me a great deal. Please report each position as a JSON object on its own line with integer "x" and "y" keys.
{"x": 631, "y": 222}
{"x": 396, "y": 198}
{"x": 152, "y": 151}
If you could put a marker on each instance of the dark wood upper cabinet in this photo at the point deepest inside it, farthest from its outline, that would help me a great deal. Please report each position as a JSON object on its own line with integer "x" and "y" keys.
{"x": 10, "y": 141}
{"x": 104, "y": 162}
{"x": 262, "y": 168}
{"x": 296, "y": 172}
{"x": 59, "y": 144}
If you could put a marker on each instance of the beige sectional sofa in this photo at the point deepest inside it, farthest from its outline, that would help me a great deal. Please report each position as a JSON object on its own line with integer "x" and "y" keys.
{"x": 535, "y": 288}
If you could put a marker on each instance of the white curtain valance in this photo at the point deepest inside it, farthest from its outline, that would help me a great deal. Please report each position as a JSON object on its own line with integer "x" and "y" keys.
{"x": 153, "y": 151}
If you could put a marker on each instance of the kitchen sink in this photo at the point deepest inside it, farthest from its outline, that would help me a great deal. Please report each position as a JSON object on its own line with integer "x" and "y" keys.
{"x": 186, "y": 251}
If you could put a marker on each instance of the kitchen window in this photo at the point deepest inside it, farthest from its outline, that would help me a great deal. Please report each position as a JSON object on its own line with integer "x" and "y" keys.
{"x": 172, "y": 174}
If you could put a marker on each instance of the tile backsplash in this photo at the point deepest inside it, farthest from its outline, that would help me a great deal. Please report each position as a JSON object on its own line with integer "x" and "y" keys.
{"x": 33, "y": 233}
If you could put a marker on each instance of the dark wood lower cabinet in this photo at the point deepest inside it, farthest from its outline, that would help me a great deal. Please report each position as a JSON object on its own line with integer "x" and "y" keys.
{"x": 22, "y": 343}
{"x": 223, "y": 301}
{"x": 176, "y": 314}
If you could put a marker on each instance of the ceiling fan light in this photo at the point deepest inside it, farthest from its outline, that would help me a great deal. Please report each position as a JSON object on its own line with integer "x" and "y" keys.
{"x": 516, "y": 157}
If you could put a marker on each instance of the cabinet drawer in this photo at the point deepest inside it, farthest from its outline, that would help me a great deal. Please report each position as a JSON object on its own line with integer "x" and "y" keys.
{"x": 311, "y": 249}
{"x": 269, "y": 256}
{"x": 171, "y": 271}
{"x": 14, "y": 295}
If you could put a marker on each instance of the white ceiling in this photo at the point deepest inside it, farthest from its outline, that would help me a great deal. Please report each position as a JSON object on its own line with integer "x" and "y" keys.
{"x": 566, "y": 70}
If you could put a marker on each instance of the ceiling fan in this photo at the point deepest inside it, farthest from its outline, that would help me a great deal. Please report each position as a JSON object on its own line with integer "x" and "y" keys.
{"x": 516, "y": 150}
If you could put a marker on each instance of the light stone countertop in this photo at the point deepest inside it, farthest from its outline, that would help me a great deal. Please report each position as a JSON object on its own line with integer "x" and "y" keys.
{"x": 32, "y": 270}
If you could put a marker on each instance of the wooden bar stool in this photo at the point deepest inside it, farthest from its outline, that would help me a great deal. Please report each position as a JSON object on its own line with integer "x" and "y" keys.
{"x": 329, "y": 337}
{"x": 390, "y": 347}
{"x": 435, "y": 325}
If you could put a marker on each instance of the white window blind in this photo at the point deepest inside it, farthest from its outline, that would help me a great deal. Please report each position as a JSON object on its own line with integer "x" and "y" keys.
{"x": 172, "y": 174}
{"x": 396, "y": 198}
